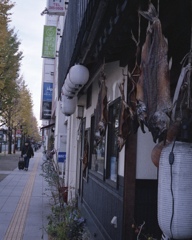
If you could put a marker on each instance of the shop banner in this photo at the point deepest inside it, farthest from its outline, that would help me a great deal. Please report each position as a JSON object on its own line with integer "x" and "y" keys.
{"x": 49, "y": 42}
{"x": 46, "y": 110}
{"x": 61, "y": 157}
{"x": 47, "y": 91}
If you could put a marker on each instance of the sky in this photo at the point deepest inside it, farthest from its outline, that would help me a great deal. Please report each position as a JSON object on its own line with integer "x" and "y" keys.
{"x": 28, "y": 24}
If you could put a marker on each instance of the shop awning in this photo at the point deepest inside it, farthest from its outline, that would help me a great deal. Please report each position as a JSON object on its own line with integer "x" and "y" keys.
{"x": 48, "y": 126}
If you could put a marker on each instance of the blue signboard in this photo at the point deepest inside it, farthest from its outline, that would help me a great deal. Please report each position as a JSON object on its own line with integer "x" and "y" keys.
{"x": 61, "y": 156}
{"x": 47, "y": 91}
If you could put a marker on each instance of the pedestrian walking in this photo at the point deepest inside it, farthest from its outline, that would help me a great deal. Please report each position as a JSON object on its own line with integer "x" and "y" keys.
{"x": 27, "y": 153}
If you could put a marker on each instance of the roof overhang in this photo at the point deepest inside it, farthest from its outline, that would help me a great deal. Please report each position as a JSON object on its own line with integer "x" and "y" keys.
{"x": 48, "y": 126}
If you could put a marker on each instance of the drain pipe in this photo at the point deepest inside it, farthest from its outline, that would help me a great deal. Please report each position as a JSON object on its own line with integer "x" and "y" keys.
{"x": 68, "y": 152}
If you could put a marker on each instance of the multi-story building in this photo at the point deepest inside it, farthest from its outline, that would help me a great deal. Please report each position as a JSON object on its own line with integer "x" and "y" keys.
{"x": 115, "y": 181}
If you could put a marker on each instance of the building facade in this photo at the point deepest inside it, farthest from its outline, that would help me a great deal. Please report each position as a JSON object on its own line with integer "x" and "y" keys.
{"x": 108, "y": 165}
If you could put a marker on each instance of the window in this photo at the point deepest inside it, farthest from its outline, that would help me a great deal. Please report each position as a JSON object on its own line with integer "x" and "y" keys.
{"x": 97, "y": 150}
{"x": 112, "y": 146}
{"x": 98, "y": 144}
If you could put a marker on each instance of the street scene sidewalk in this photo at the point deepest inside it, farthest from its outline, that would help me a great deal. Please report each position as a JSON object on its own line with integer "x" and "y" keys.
{"x": 24, "y": 205}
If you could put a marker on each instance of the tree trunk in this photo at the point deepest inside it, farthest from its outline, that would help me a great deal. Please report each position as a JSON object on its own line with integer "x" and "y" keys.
{"x": 9, "y": 141}
{"x": 14, "y": 147}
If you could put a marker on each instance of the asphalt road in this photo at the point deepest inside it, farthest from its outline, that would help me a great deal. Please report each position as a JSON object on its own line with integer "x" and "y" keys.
{"x": 8, "y": 162}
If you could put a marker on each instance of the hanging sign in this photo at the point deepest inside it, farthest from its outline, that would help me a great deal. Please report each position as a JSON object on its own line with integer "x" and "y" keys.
{"x": 47, "y": 100}
{"x": 55, "y": 7}
{"x": 61, "y": 156}
{"x": 46, "y": 110}
{"x": 47, "y": 91}
{"x": 49, "y": 42}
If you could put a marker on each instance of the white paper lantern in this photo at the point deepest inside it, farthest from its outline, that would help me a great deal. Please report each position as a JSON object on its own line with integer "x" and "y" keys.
{"x": 176, "y": 220}
{"x": 71, "y": 85}
{"x": 62, "y": 103}
{"x": 68, "y": 105}
{"x": 79, "y": 75}
{"x": 67, "y": 93}
{"x": 73, "y": 90}
{"x": 68, "y": 88}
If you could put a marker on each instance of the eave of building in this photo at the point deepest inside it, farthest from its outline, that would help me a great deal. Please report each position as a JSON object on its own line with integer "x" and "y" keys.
{"x": 105, "y": 34}
{"x": 88, "y": 46}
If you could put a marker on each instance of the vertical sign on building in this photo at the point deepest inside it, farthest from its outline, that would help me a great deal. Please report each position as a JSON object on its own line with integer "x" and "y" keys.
{"x": 47, "y": 100}
{"x": 49, "y": 42}
{"x": 56, "y": 7}
{"x": 61, "y": 157}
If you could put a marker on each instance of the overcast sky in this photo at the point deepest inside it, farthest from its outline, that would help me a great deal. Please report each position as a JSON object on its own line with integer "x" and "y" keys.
{"x": 28, "y": 23}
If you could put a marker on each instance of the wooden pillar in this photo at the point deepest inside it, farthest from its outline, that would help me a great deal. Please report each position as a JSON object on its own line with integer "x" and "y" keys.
{"x": 129, "y": 187}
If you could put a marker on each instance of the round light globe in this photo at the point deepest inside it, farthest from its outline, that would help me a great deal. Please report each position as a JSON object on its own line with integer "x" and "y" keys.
{"x": 79, "y": 74}
{"x": 68, "y": 105}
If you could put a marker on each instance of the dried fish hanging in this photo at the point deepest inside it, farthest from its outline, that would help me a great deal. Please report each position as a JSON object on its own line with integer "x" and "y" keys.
{"x": 181, "y": 118}
{"x": 153, "y": 87}
{"x": 179, "y": 100}
{"x": 178, "y": 117}
{"x": 101, "y": 112}
{"x": 134, "y": 75}
{"x": 133, "y": 78}
{"x": 124, "y": 120}
{"x": 128, "y": 122}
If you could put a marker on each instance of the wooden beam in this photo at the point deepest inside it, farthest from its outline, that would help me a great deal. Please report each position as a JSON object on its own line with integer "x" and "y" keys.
{"x": 129, "y": 187}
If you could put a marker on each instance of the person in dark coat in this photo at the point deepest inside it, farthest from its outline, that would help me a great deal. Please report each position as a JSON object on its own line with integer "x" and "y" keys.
{"x": 27, "y": 153}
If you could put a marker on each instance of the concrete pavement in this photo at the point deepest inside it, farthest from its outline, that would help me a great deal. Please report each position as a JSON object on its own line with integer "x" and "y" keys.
{"x": 24, "y": 204}
{"x": 8, "y": 162}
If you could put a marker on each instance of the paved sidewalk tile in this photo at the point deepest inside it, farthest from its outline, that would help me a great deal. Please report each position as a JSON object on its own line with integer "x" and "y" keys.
{"x": 24, "y": 205}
